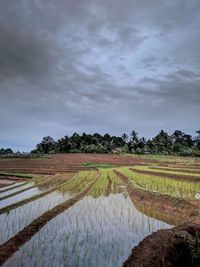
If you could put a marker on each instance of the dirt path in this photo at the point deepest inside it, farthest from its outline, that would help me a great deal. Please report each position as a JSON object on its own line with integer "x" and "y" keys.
{"x": 12, "y": 245}
{"x": 169, "y": 175}
{"x": 163, "y": 207}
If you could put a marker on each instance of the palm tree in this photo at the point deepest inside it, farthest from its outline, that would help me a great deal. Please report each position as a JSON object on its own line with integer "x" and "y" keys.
{"x": 124, "y": 137}
{"x": 134, "y": 137}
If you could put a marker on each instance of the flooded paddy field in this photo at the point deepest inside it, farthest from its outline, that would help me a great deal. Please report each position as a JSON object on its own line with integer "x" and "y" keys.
{"x": 92, "y": 216}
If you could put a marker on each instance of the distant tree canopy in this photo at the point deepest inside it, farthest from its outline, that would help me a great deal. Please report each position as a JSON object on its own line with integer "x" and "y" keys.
{"x": 6, "y": 151}
{"x": 178, "y": 143}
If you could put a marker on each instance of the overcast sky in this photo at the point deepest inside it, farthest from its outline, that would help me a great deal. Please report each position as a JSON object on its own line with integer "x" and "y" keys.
{"x": 97, "y": 66}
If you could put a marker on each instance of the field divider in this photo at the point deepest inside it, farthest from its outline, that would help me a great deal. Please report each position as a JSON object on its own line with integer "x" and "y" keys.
{"x": 14, "y": 187}
{"x": 169, "y": 175}
{"x": 160, "y": 206}
{"x": 13, "y": 244}
{"x": 27, "y": 200}
{"x": 13, "y": 178}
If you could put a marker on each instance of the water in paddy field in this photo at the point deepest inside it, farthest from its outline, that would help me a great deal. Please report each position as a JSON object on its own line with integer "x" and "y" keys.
{"x": 21, "y": 196}
{"x": 17, "y": 219}
{"x": 10, "y": 186}
{"x": 97, "y": 231}
{"x": 11, "y": 191}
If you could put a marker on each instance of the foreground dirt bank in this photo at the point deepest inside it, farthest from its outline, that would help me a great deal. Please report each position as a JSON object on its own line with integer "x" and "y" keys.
{"x": 179, "y": 246}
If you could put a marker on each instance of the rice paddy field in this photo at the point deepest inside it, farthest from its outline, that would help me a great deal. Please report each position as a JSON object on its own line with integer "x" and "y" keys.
{"x": 91, "y": 209}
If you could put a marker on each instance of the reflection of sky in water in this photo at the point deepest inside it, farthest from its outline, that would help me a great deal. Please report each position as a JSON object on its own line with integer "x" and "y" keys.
{"x": 16, "y": 190}
{"x": 17, "y": 219}
{"x": 93, "y": 232}
{"x": 20, "y": 196}
{"x": 10, "y": 186}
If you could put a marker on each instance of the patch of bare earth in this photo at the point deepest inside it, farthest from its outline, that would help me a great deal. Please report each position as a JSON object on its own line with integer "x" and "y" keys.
{"x": 64, "y": 163}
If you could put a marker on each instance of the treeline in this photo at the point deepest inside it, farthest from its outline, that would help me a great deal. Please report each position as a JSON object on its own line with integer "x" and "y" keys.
{"x": 6, "y": 151}
{"x": 178, "y": 143}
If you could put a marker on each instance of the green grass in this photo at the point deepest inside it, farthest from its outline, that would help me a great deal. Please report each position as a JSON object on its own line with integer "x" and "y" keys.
{"x": 21, "y": 175}
{"x": 96, "y": 165}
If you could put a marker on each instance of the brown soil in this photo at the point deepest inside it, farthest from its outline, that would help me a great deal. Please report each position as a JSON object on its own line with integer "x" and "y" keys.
{"x": 176, "y": 247}
{"x": 162, "y": 207}
{"x": 170, "y": 176}
{"x": 176, "y": 170}
{"x": 25, "y": 201}
{"x": 62, "y": 163}
{"x": 12, "y": 245}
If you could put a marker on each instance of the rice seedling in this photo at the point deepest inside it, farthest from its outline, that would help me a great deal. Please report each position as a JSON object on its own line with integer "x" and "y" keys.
{"x": 162, "y": 185}
{"x": 146, "y": 168}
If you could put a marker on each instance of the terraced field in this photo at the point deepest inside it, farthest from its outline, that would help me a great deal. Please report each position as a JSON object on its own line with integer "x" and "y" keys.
{"x": 79, "y": 210}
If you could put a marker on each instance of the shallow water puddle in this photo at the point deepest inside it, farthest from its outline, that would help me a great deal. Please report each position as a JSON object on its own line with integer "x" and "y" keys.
{"x": 94, "y": 232}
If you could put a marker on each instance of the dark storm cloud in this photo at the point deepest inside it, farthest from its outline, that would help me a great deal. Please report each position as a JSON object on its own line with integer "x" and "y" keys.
{"x": 107, "y": 66}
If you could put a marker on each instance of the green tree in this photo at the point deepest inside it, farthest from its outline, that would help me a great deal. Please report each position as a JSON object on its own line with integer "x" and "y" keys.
{"x": 125, "y": 137}
{"x": 46, "y": 146}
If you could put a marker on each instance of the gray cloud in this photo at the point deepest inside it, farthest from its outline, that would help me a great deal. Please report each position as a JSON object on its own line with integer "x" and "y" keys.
{"x": 102, "y": 66}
